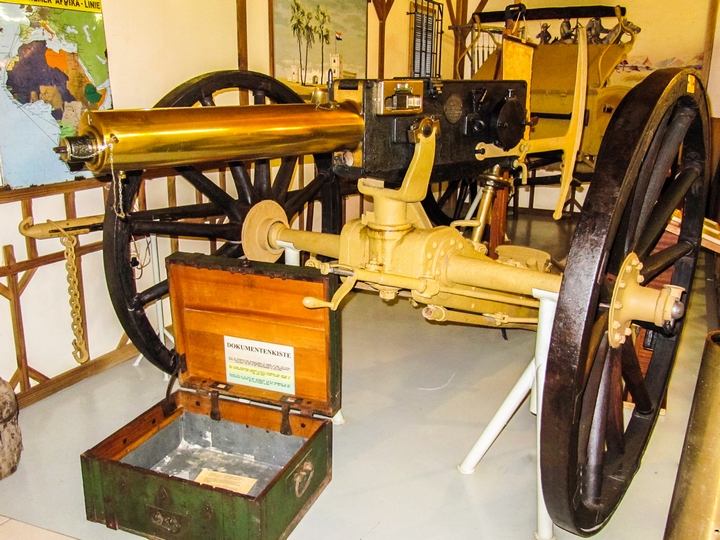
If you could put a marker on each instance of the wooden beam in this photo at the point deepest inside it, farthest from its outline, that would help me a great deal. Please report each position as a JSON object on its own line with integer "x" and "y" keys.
{"x": 242, "y": 35}
{"x": 17, "y": 267}
{"x": 709, "y": 40}
{"x": 271, "y": 33}
{"x": 75, "y": 375}
{"x": 20, "y": 194}
{"x": 17, "y": 321}
{"x": 382, "y": 9}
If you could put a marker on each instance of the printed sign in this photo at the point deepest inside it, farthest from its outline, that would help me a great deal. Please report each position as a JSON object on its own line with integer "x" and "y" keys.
{"x": 261, "y": 365}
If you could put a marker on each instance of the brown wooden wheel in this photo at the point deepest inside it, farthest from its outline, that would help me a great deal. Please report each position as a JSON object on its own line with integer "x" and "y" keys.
{"x": 218, "y": 220}
{"x": 652, "y": 161}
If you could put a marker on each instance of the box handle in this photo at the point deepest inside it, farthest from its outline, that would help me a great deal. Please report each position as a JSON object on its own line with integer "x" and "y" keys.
{"x": 302, "y": 478}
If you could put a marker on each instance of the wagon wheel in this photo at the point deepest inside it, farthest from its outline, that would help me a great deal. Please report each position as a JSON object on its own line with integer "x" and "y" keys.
{"x": 651, "y": 162}
{"x": 449, "y": 200}
{"x": 219, "y": 219}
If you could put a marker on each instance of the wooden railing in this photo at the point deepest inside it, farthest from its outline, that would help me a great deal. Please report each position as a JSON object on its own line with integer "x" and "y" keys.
{"x": 30, "y": 383}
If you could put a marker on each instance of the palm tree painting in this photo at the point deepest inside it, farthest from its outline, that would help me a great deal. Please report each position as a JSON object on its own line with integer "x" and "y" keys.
{"x": 313, "y": 36}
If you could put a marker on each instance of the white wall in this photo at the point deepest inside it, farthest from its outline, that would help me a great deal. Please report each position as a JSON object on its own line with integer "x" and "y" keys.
{"x": 152, "y": 47}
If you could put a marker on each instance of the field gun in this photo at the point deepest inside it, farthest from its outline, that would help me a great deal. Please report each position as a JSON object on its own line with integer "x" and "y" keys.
{"x": 395, "y": 138}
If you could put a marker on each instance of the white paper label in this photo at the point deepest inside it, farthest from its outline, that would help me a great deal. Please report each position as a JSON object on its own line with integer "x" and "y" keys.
{"x": 259, "y": 364}
{"x": 232, "y": 482}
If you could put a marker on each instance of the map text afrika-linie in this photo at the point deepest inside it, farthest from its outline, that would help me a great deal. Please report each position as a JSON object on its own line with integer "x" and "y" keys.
{"x": 89, "y": 4}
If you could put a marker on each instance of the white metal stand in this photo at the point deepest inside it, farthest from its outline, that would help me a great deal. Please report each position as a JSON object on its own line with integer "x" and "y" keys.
{"x": 530, "y": 382}
{"x": 162, "y": 331}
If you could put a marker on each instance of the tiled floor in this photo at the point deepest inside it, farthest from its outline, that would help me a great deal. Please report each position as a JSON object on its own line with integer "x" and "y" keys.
{"x": 416, "y": 396}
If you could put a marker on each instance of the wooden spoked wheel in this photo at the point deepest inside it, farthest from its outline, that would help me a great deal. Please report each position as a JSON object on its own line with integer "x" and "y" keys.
{"x": 652, "y": 161}
{"x": 450, "y": 200}
{"x": 220, "y": 219}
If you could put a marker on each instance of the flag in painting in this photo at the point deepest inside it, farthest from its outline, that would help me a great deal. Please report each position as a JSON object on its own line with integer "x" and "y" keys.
{"x": 338, "y": 36}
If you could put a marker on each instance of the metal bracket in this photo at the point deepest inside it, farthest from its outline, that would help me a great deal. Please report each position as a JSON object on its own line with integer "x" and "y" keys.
{"x": 215, "y": 405}
{"x": 168, "y": 404}
{"x": 285, "y": 403}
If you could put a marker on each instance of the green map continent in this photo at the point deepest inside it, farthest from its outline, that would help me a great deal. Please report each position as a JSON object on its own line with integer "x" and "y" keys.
{"x": 82, "y": 29}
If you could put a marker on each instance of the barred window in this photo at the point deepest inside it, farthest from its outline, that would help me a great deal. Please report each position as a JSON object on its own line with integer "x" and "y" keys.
{"x": 426, "y": 35}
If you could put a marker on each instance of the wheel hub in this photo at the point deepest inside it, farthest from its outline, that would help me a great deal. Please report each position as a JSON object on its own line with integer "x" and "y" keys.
{"x": 633, "y": 302}
{"x": 256, "y": 231}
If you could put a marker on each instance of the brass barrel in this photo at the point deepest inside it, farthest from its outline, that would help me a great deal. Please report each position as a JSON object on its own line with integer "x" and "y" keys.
{"x": 695, "y": 507}
{"x": 138, "y": 139}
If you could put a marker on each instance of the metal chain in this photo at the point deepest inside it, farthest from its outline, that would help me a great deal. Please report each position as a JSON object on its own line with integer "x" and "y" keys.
{"x": 80, "y": 352}
{"x": 117, "y": 186}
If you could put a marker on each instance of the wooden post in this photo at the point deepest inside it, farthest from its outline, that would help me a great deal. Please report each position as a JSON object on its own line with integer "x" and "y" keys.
{"x": 22, "y": 375}
{"x": 242, "y": 34}
{"x": 382, "y": 9}
{"x": 459, "y": 22}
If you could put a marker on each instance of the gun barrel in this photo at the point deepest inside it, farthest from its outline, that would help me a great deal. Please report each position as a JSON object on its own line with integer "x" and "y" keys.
{"x": 127, "y": 140}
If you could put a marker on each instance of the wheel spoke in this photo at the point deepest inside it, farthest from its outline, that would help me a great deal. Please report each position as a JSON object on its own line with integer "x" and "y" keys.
{"x": 640, "y": 212}
{"x": 667, "y": 153}
{"x": 229, "y": 249}
{"x": 225, "y": 231}
{"x": 597, "y": 347}
{"x": 262, "y": 178}
{"x": 451, "y": 189}
{"x": 614, "y": 437}
{"x": 596, "y": 441}
{"x": 207, "y": 101}
{"x": 634, "y": 380}
{"x": 190, "y": 211}
{"x": 658, "y": 262}
{"x": 259, "y": 97}
{"x": 459, "y": 203}
{"x": 297, "y": 199}
{"x": 283, "y": 178}
{"x": 212, "y": 191}
{"x": 658, "y": 220}
{"x": 246, "y": 191}
{"x": 150, "y": 295}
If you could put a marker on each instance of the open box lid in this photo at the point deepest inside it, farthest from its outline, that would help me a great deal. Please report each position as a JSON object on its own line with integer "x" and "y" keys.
{"x": 243, "y": 331}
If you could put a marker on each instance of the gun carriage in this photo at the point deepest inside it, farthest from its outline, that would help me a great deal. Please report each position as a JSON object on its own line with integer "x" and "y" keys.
{"x": 395, "y": 139}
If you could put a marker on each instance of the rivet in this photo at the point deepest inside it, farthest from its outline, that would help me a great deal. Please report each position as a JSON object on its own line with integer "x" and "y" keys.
{"x": 452, "y": 242}
{"x": 429, "y": 255}
{"x": 619, "y": 338}
{"x": 628, "y": 331}
{"x": 622, "y": 284}
{"x": 617, "y": 305}
{"x": 616, "y": 324}
{"x": 434, "y": 245}
{"x": 442, "y": 253}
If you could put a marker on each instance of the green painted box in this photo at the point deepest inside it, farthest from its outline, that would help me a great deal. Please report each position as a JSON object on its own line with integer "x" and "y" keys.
{"x": 244, "y": 450}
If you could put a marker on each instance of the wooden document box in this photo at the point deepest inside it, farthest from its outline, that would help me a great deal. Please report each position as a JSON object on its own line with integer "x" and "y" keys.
{"x": 207, "y": 464}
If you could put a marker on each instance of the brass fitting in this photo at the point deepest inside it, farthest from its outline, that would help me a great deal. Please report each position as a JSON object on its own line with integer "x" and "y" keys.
{"x": 633, "y": 302}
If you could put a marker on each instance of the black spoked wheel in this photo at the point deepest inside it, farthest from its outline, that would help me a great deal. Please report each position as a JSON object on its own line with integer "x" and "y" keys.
{"x": 450, "y": 201}
{"x": 217, "y": 215}
{"x": 652, "y": 161}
